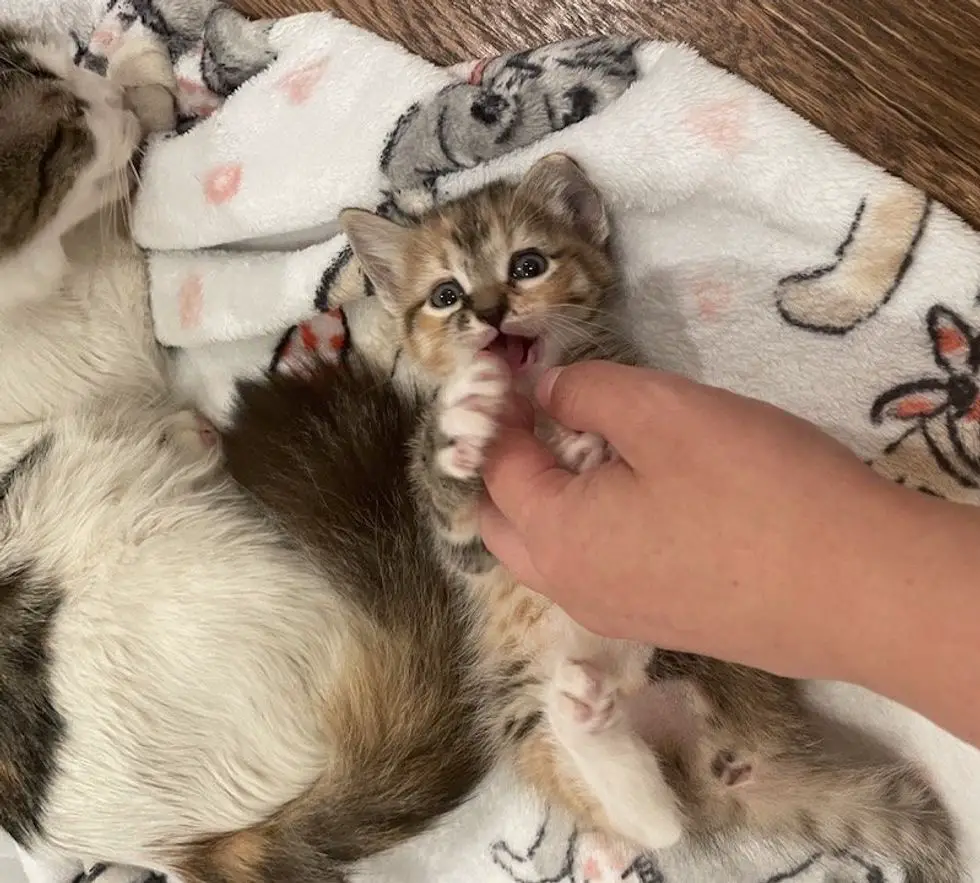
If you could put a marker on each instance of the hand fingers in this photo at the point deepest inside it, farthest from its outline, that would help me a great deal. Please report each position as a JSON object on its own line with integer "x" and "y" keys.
{"x": 614, "y": 401}
{"x": 508, "y": 546}
{"x": 522, "y": 476}
{"x": 518, "y": 413}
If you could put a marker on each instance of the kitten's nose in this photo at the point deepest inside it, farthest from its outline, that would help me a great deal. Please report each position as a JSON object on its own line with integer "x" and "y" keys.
{"x": 493, "y": 316}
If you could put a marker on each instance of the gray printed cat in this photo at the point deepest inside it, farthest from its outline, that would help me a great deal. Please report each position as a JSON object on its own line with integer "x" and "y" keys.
{"x": 517, "y": 99}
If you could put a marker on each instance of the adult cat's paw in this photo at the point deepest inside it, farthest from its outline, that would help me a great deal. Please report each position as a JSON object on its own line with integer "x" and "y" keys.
{"x": 577, "y": 451}
{"x": 580, "y": 451}
{"x": 470, "y": 405}
{"x": 141, "y": 65}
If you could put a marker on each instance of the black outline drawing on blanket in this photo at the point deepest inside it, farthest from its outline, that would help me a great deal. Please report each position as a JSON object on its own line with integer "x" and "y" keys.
{"x": 342, "y": 281}
{"x": 940, "y": 453}
{"x": 103, "y": 873}
{"x": 561, "y": 854}
{"x": 507, "y": 103}
{"x": 867, "y": 268}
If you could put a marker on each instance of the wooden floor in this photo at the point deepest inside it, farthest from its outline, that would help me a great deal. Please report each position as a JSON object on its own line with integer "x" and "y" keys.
{"x": 896, "y": 80}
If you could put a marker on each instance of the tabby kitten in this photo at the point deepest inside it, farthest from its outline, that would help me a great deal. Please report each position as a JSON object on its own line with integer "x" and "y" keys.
{"x": 490, "y": 290}
{"x": 185, "y": 683}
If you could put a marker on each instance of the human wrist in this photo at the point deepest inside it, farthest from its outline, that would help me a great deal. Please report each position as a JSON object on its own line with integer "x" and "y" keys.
{"x": 905, "y": 618}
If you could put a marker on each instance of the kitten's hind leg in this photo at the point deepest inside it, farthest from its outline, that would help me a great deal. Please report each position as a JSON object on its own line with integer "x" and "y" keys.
{"x": 620, "y": 770}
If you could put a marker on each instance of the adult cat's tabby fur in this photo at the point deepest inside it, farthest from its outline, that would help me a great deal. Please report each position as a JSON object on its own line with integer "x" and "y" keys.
{"x": 183, "y": 683}
{"x": 505, "y": 282}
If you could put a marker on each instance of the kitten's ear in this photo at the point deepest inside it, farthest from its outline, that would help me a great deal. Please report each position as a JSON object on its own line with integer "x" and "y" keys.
{"x": 379, "y": 245}
{"x": 569, "y": 195}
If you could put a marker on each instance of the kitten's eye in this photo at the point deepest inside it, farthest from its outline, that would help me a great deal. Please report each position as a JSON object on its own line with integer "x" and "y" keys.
{"x": 527, "y": 264}
{"x": 445, "y": 295}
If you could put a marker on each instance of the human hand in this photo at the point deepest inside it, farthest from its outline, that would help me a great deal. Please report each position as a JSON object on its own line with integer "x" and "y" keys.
{"x": 725, "y": 527}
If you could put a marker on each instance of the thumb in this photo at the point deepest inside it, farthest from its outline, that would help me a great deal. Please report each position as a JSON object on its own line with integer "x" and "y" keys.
{"x": 522, "y": 477}
{"x": 616, "y": 402}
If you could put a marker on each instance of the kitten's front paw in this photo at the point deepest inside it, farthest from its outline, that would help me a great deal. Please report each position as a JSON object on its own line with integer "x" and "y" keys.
{"x": 586, "y": 695}
{"x": 580, "y": 451}
{"x": 471, "y": 402}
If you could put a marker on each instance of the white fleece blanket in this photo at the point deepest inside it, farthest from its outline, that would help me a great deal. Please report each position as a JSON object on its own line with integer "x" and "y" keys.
{"x": 759, "y": 255}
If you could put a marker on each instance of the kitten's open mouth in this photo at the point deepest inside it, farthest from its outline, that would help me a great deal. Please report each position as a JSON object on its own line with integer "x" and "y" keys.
{"x": 518, "y": 352}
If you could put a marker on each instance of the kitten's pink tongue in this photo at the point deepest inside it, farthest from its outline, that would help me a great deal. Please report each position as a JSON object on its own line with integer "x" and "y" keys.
{"x": 511, "y": 349}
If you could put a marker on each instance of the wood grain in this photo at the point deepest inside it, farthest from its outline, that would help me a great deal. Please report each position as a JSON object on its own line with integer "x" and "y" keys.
{"x": 895, "y": 80}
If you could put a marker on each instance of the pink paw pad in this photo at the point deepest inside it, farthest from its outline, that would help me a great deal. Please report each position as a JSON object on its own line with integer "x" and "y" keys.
{"x": 207, "y": 431}
{"x": 466, "y": 456}
{"x": 299, "y": 85}
{"x": 587, "y": 698}
{"x": 222, "y": 183}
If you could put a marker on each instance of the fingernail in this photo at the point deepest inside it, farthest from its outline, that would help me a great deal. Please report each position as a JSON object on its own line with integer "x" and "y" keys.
{"x": 547, "y": 383}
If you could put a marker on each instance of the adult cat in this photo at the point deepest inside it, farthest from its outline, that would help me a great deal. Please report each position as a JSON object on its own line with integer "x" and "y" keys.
{"x": 182, "y": 685}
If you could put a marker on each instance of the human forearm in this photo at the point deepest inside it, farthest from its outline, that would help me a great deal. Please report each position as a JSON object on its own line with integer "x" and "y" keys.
{"x": 908, "y": 621}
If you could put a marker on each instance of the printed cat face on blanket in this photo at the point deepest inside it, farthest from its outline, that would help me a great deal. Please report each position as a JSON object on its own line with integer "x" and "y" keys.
{"x": 516, "y": 269}
{"x": 509, "y": 102}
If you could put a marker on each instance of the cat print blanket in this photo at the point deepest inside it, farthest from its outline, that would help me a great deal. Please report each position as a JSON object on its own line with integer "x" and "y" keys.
{"x": 759, "y": 255}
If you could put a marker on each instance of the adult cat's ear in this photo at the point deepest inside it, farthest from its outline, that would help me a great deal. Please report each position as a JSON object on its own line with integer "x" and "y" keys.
{"x": 379, "y": 245}
{"x": 559, "y": 183}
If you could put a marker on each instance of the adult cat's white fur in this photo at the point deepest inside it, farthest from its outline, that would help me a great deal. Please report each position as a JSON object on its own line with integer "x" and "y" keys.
{"x": 192, "y": 677}
{"x": 184, "y": 712}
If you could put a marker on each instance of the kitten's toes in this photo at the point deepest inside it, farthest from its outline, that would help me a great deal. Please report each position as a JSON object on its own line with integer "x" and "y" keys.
{"x": 470, "y": 405}
{"x": 581, "y": 451}
{"x": 585, "y": 695}
{"x": 730, "y": 769}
